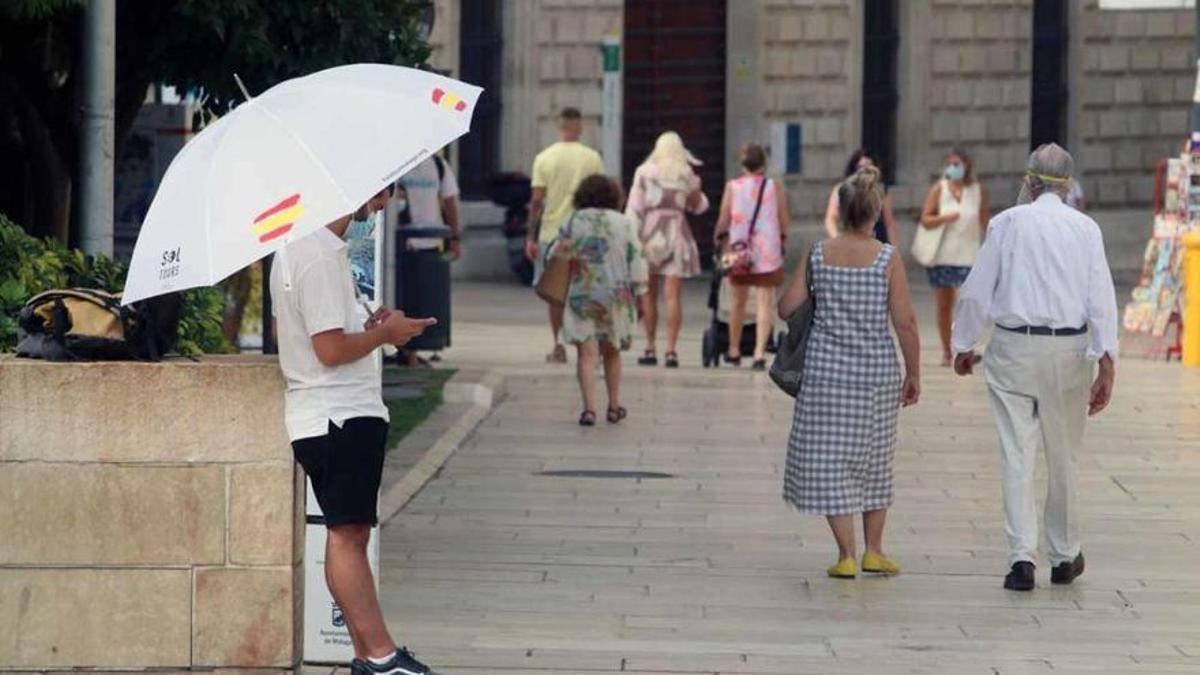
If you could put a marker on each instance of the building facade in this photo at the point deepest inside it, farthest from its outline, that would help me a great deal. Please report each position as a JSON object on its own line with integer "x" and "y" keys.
{"x": 908, "y": 79}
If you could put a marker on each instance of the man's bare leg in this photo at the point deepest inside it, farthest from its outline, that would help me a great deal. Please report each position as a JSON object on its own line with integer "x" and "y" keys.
{"x": 348, "y": 575}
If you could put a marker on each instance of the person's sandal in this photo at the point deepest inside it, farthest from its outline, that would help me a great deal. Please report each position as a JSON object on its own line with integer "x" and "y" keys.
{"x": 557, "y": 355}
{"x": 672, "y": 360}
{"x": 733, "y": 360}
{"x": 587, "y": 419}
{"x": 648, "y": 358}
{"x": 616, "y": 414}
{"x": 759, "y": 364}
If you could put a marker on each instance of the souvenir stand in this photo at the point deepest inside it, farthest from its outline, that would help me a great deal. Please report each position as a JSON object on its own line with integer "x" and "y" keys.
{"x": 1155, "y": 307}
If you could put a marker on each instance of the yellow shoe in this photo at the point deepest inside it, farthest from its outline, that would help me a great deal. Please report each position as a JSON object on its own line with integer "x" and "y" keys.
{"x": 878, "y": 564}
{"x": 845, "y": 569}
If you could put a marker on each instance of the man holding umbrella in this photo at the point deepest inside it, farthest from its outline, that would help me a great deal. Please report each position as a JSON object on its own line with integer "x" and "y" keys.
{"x": 280, "y": 173}
{"x": 336, "y": 419}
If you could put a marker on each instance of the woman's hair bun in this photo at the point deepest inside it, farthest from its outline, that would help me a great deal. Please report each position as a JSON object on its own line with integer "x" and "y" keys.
{"x": 860, "y": 198}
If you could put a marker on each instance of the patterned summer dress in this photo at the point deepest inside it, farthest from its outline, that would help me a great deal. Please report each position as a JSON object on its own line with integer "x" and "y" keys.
{"x": 608, "y": 275}
{"x": 843, "y": 437}
{"x": 658, "y": 205}
{"x": 766, "y": 241}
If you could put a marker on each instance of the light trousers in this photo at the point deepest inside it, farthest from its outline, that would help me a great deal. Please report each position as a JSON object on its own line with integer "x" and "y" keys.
{"x": 1039, "y": 388}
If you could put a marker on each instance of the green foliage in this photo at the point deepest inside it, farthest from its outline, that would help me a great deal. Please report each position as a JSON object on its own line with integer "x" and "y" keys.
{"x": 29, "y": 266}
{"x": 32, "y": 10}
{"x": 267, "y": 41}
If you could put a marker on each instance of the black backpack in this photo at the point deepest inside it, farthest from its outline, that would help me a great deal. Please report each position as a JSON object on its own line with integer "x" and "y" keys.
{"x": 86, "y": 324}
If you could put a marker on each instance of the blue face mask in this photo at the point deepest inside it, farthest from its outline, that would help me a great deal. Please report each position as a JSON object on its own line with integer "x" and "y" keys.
{"x": 955, "y": 171}
{"x": 360, "y": 229}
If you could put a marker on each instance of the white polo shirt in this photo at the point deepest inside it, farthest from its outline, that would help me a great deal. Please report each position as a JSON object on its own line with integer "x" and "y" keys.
{"x": 321, "y": 298}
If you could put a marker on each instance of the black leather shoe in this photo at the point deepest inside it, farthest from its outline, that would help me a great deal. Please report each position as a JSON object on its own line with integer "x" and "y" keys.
{"x": 1065, "y": 573}
{"x": 1021, "y": 577}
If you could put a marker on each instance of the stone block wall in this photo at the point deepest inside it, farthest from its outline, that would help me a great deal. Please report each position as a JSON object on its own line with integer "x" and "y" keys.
{"x": 979, "y": 87}
{"x": 1134, "y": 98}
{"x": 153, "y": 517}
{"x": 809, "y": 75}
{"x": 552, "y": 60}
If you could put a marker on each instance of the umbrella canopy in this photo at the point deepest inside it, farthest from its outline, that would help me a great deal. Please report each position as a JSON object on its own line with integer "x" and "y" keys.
{"x": 279, "y": 166}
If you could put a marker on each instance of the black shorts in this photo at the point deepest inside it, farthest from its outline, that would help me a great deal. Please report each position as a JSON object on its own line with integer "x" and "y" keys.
{"x": 346, "y": 467}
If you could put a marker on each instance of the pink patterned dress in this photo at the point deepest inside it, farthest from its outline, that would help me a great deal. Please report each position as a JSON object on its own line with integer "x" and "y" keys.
{"x": 658, "y": 206}
{"x": 766, "y": 242}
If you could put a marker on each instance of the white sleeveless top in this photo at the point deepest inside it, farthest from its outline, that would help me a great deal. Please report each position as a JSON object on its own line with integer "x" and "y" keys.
{"x": 960, "y": 241}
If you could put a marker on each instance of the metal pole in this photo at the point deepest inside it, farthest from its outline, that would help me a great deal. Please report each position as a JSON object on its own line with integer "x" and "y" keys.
{"x": 97, "y": 127}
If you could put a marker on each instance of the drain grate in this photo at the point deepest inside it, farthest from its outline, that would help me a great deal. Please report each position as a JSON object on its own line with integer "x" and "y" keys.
{"x": 601, "y": 473}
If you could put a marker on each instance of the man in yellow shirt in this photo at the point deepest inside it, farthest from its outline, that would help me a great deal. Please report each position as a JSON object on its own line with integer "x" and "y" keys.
{"x": 557, "y": 172}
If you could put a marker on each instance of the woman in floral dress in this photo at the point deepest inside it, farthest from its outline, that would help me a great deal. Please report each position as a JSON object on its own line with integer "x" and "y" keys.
{"x": 608, "y": 274}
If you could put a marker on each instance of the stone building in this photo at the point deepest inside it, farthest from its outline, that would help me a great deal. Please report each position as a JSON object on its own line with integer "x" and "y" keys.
{"x": 908, "y": 78}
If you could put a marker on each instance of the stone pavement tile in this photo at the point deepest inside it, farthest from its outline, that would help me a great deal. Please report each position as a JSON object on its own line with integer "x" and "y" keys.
{"x": 495, "y": 566}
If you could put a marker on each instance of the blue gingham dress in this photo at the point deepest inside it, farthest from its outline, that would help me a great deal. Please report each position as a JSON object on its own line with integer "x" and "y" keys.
{"x": 843, "y": 436}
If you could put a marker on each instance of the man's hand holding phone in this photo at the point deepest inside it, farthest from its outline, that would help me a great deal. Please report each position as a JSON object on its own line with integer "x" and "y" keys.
{"x": 399, "y": 329}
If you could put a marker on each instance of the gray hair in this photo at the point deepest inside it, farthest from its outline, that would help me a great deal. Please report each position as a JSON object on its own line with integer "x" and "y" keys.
{"x": 1050, "y": 169}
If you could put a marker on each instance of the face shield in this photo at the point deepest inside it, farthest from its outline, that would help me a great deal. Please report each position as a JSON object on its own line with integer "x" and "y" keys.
{"x": 1036, "y": 184}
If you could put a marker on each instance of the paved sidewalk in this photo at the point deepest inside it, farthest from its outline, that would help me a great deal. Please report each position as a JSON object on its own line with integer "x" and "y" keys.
{"x": 497, "y": 568}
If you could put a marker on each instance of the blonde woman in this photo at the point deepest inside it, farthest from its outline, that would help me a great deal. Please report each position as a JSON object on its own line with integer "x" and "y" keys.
{"x": 665, "y": 189}
{"x": 843, "y": 438}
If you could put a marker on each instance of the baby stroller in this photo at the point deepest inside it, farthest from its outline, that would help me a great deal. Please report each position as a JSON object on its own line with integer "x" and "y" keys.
{"x": 716, "y": 337}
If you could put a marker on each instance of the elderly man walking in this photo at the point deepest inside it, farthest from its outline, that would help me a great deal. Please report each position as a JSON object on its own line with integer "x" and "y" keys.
{"x": 1042, "y": 280}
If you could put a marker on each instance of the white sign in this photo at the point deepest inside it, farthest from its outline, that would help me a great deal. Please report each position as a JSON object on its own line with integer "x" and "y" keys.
{"x": 326, "y": 637}
{"x": 611, "y": 103}
{"x": 1147, "y": 4}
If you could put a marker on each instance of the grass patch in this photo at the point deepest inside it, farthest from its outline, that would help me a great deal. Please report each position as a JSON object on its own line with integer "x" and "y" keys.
{"x": 407, "y": 413}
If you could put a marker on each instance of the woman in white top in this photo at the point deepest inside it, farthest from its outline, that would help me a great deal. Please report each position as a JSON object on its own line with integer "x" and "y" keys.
{"x": 959, "y": 203}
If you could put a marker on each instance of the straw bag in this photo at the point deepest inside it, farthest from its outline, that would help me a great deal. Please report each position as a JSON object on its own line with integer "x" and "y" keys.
{"x": 556, "y": 272}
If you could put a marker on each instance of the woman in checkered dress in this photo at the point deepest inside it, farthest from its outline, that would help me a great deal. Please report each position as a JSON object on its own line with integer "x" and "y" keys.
{"x": 843, "y": 438}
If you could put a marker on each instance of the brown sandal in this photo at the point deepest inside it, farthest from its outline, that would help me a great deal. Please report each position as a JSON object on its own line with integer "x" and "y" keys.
{"x": 616, "y": 414}
{"x": 587, "y": 419}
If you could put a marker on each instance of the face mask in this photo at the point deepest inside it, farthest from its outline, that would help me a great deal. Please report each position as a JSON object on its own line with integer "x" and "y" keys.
{"x": 360, "y": 229}
{"x": 955, "y": 171}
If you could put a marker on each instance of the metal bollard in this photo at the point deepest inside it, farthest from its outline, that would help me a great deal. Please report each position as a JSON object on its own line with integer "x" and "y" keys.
{"x": 1191, "y": 287}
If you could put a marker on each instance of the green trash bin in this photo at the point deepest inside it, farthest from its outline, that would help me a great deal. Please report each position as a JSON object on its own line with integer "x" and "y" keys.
{"x": 423, "y": 281}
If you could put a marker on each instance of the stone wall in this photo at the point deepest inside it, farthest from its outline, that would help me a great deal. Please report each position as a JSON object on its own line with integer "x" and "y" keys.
{"x": 1132, "y": 105}
{"x": 552, "y": 60}
{"x": 152, "y": 516}
{"x": 810, "y": 75}
{"x": 979, "y": 91}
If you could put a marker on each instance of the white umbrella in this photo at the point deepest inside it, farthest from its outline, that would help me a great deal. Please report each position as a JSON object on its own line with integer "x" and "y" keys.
{"x": 279, "y": 166}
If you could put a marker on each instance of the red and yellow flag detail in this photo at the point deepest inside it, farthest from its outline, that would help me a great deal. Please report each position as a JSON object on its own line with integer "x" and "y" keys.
{"x": 448, "y": 100}
{"x": 279, "y": 219}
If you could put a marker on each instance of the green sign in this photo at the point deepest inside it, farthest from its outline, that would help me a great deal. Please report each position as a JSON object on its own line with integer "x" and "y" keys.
{"x": 612, "y": 56}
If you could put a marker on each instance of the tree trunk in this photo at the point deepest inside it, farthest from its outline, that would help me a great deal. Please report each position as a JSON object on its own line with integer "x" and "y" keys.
{"x": 52, "y": 177}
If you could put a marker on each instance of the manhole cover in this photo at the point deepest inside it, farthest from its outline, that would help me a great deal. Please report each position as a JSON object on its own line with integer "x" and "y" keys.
{"x": 600, "y": 473}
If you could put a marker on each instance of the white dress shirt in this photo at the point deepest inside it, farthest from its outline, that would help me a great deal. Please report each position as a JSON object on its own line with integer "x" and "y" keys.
{"x": 1042, "y": 264}
{"x": 321, "y": 298}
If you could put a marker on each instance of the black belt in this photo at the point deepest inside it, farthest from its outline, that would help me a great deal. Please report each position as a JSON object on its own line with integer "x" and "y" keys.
{"x": 1046, "y": 330}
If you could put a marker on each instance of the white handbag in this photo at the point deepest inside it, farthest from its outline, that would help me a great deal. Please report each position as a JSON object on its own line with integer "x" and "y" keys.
{"x": 926, "y": 244}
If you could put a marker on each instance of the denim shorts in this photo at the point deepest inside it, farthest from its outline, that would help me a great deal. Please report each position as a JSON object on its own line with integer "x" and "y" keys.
{"x": 947, "y": 276}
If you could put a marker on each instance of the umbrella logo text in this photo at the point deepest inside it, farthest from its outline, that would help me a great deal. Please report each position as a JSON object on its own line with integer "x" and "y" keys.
{"x": 279, "y": 219}
{"x": 448, "y": 100}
